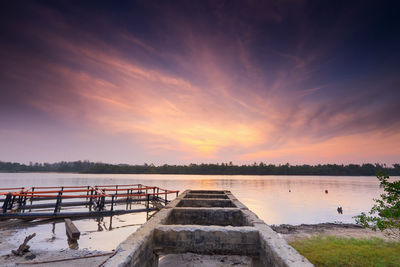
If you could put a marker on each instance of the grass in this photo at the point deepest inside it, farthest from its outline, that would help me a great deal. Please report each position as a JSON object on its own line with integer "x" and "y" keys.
{"x": 336, "y": 251}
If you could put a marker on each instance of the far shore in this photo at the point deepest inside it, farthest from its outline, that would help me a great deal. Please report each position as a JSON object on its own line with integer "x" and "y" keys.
{"x": 196, "y": 174}
{"x": 261, "y": 168}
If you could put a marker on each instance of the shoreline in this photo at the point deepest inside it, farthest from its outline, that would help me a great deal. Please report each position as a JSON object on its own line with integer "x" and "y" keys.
{"x": 289, "y": 232}
{"x": 347, "y": 230}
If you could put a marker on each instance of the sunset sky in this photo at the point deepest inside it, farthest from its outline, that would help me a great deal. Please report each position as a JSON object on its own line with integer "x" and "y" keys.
{"x": 200, "y": 81}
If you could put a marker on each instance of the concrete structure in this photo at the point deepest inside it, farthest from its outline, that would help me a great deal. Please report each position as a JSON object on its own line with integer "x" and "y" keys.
{"x": 206, "y": 222}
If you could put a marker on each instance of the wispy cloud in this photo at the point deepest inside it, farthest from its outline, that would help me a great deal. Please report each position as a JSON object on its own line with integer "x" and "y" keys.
{"x": 202, "y": 93}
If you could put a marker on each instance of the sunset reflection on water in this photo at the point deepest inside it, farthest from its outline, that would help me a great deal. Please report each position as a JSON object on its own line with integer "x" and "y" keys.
{"x": 268, "y": 196}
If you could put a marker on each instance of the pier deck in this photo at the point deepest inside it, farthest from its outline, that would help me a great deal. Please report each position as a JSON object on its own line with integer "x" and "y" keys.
{"x": 80, "y": 201}
{"x": 205, "y": 223}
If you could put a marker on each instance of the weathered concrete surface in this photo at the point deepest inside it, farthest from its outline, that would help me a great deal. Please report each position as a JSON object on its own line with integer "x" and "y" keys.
{"x": 207, "y": 192}
{"x": 206, "y": 228}
{"x": 207, "y": 216}
{"x": 207, "y": 239}
{"x": 195, "y": 260}
{"x": 207, "y": 196}
{"x": 199, "y": 202}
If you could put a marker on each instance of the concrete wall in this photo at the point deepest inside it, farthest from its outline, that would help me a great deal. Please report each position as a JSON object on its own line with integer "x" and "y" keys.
{"x": 207, "y": 216}
{"x": 206, "y": 224}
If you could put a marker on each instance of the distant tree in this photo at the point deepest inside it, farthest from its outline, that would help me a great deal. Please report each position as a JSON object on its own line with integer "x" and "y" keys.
{"x": 385, "y": 214}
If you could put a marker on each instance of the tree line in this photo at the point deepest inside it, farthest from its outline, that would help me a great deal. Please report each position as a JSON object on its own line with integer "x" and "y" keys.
{"x": 214, "y": 169}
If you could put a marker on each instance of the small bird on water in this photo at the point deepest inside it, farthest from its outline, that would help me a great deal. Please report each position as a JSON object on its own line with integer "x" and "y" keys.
{"x": 340, "y": 210}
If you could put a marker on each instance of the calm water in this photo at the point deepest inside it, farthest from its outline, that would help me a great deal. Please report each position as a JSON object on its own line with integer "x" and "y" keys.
{"x": 267, "y": 196}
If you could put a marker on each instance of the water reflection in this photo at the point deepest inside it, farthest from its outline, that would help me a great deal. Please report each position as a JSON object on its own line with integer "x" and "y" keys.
{"x": 275, "y": 199}
{"x": 267, "y": 196}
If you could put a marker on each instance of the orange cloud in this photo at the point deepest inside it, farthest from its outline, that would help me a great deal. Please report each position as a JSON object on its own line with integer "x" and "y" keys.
{"x": 223, "y": 109}
{"x": 340, "y": 149}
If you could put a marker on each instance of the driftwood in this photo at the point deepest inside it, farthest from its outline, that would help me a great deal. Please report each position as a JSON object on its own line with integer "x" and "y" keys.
{"x": 23, "y": 247}
{"x": 68, "y": 259}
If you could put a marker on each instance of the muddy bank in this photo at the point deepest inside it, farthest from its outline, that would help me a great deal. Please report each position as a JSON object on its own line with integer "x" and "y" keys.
{"x": 293, "y": 232}
{"x": 34, "y": 255}
{"x": 98, "y": 235}
{"x": 56, "y": 258}
{"x": 43, "y": 252}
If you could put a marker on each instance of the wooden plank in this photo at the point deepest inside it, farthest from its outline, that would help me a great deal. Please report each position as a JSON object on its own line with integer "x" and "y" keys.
{"x": 72, "y": 232}
{"x": 77, "y": 203}
{"x": 34, "y": 215}
{"x": 68, "y": 259}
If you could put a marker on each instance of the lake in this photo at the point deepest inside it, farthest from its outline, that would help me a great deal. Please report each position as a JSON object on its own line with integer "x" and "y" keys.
{"x": 275, "y": 199}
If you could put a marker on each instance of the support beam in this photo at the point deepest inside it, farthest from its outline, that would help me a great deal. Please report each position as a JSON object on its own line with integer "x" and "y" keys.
{"x": 71, "y": 230}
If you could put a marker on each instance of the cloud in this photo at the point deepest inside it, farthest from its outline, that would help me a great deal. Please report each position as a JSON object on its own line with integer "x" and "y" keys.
{"x": 201, "y": 88}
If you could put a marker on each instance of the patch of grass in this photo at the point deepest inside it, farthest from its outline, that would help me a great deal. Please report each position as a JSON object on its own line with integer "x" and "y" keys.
{"x": 336, "y": 251}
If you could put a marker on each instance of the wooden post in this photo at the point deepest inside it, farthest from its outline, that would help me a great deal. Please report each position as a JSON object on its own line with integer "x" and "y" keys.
{"x": 127, "y": 198}
{"x": 87, "y": 193}
{"x": 33, "y": 190}
{"x": 130, "y": 198}
{"x": 91, "y": 200}
{"x": 20, "y": 200}
{"x": 5, "y": 204}
{"x": 58, "y": 202}
{"x": 71, "y": 230}
{"x": 112, "y": 202}
{"x": 148, "y": 202}
{"x": 102, "y": 202}
{"x": 24, "y": 202}
{"x": 11, "y": 204}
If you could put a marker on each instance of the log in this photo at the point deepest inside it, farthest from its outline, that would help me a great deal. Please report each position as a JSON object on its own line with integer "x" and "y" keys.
{"x": 23, "y": 247}
{"x": 68, "y": 259}
{"x": 72, "y": 231}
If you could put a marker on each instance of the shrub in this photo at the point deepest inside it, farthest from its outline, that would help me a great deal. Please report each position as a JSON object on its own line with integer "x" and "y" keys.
{"x": 385, "y": 214}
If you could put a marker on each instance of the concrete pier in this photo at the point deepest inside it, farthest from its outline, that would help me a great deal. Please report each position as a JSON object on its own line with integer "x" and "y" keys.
{"x": 206, "y": 223}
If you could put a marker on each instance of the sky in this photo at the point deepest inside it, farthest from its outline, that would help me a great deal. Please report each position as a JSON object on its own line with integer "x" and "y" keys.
{"x": 178, "y": 82}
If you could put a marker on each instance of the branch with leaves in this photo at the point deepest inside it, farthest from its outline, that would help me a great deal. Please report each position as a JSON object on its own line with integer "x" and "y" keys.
{"x": 385, "y": 214}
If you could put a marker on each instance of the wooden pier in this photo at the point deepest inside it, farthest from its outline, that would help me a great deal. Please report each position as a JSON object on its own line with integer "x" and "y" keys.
{"x": 80, "y": 201}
